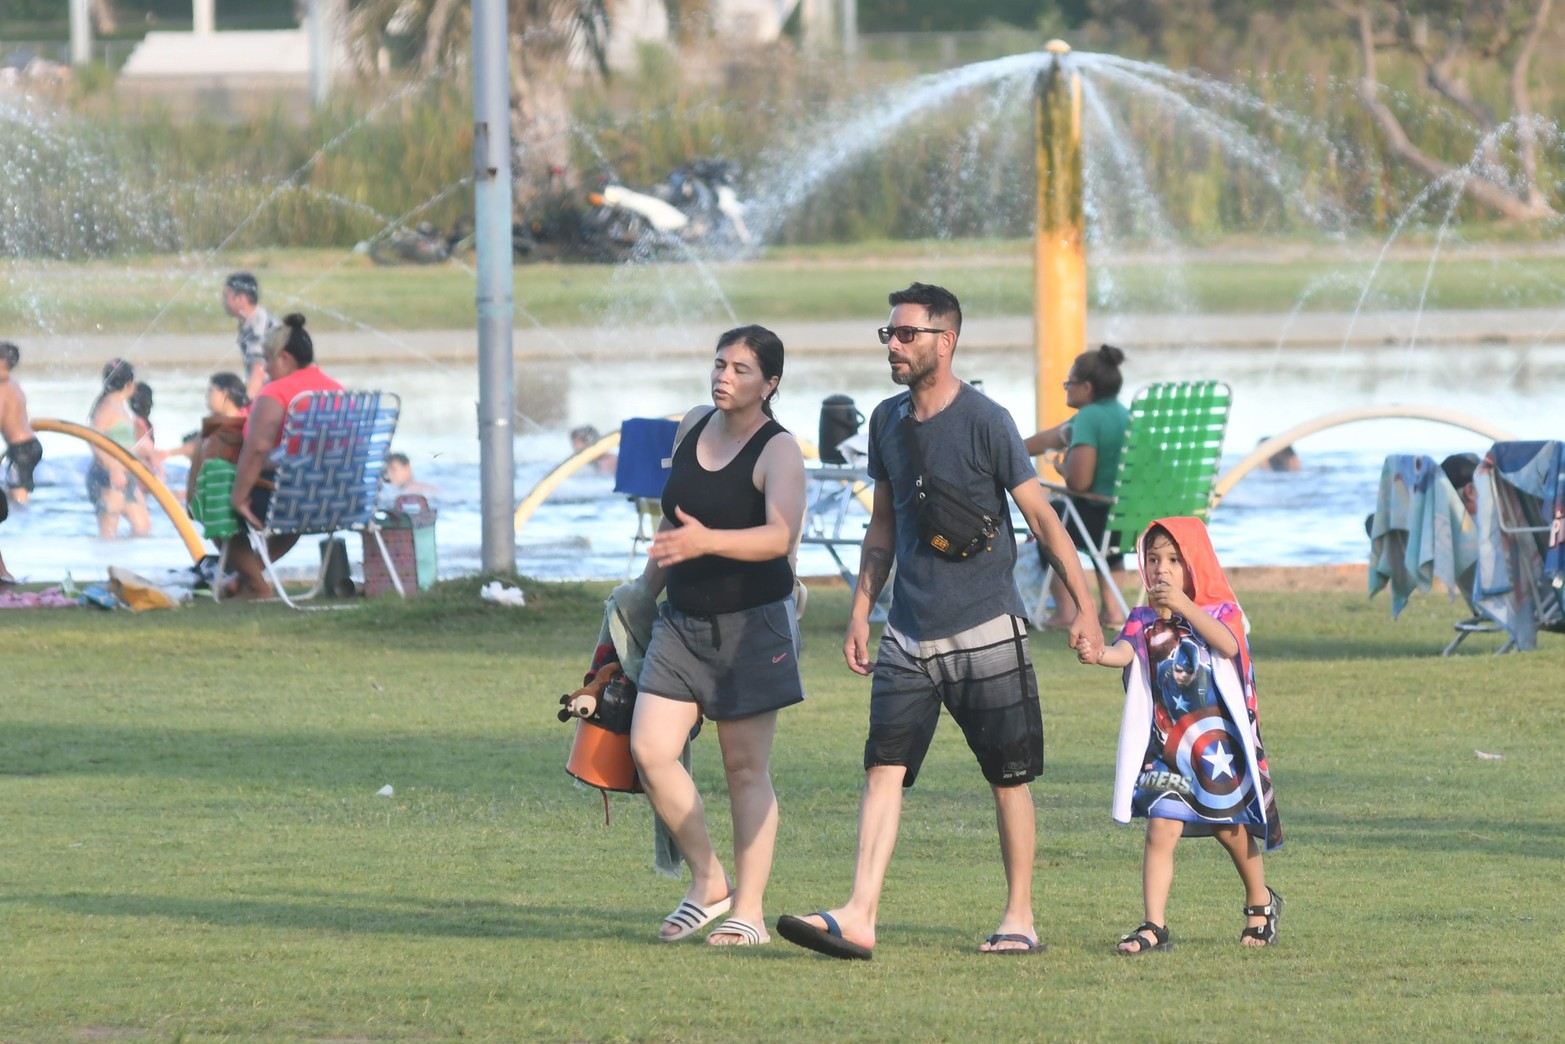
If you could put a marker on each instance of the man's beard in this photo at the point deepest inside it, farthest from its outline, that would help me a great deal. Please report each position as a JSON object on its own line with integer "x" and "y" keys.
{"x": 914, "y": 375}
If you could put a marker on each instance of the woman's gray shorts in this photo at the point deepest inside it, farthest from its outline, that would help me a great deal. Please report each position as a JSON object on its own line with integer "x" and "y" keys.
{"x": 732, "y": 665}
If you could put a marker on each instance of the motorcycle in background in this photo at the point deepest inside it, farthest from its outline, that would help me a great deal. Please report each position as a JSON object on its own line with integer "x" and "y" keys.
{"x": 696, "y": 208}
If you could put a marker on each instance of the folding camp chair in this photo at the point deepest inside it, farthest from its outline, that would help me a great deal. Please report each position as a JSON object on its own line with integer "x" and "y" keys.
{"x": 1421, "y": 532}
{"x": 1173, "y": 445}
{"x": 836, "y": 514}
{"x": 1520, "y": 579}
{"x": 830, "y": 520}
{"x": 646, "y": 446}
{"x": 329, "y": 467}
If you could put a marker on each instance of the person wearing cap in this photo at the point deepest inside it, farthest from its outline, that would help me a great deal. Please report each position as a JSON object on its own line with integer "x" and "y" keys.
{"x": 241, "y": 299}
{"x": 22, "y": 448}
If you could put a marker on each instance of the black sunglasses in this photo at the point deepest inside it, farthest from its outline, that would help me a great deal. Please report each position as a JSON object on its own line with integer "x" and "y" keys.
{"x": 905, "y": 334}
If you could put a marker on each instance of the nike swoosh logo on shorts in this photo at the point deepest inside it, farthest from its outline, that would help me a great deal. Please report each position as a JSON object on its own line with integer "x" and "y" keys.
{"x": 779, "y": 657}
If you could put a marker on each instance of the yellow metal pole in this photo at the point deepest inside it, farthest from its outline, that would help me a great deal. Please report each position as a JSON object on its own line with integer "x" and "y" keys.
{"x": 1060, "y": 255}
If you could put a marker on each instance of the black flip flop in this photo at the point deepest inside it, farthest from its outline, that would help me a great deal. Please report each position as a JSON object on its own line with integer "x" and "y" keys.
{"x": 827, "y": 940}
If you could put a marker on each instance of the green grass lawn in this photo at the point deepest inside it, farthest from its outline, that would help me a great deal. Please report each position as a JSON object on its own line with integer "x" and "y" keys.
{"x": 146, "y": 296}
{"x": 193, "y": 848}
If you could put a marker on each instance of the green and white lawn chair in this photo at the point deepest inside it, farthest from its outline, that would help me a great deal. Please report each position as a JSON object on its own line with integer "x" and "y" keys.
{"x": 1173, "y": 446}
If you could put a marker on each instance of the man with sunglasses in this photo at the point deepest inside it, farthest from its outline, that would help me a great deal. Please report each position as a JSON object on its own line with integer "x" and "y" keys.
{"x": 955, "y": 635}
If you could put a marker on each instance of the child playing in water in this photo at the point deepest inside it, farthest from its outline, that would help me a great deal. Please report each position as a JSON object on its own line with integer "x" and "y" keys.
{"x": 6, "y": 579}
{"x": 1190, "y": 756}
{"x": 22, "y": 450}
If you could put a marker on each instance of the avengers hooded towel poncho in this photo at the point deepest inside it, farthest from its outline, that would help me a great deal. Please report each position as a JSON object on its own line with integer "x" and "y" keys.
{"x": 1190, "y": 740}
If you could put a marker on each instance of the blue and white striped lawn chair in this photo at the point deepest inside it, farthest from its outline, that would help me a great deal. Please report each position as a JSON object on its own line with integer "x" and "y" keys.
{"x": 329, "y": 465}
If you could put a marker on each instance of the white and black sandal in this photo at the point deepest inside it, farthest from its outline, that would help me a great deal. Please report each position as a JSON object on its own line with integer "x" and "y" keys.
{"x": 744, "y": 932}
{"x": 689, "y": 918}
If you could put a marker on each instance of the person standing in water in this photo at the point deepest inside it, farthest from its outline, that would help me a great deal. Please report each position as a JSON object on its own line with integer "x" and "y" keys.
{"x": 241, "y": 300}
{"x": 111, "y": 487}
{"x": 22, "y": 448}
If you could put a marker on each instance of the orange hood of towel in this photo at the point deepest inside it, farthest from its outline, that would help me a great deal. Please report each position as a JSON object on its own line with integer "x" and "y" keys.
{"x": 1201, "y": 565}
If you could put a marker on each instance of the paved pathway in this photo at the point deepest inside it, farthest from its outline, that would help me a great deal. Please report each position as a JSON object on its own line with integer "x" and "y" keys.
{"x": 1305, "y": 330}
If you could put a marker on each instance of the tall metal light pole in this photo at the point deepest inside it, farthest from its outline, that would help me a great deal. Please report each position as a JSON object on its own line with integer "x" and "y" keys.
{"x": 321, "y": 25}
{"x": 81, "y": 33}
{"x": 496, "y": 310}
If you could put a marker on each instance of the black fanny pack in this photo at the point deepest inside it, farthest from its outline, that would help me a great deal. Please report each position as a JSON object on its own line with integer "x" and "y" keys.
{"x": 948, "y": 520}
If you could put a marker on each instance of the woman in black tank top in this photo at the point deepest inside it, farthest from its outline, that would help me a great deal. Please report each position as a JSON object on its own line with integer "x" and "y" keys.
{"x": 726, "y": 643}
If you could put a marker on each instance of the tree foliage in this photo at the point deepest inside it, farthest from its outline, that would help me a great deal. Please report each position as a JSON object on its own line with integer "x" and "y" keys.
{"x": 1471, "y": 60}
{"x": 544, "y": 35}
{"x": 923, "y": 16}
{"x": 1452, "y": 42}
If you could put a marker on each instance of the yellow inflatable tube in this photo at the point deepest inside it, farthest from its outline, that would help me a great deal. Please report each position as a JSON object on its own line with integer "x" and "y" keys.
{"x": 171, "y": 504}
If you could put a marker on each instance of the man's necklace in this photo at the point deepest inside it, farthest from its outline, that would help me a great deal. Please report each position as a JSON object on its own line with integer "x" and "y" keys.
{"x": 943, "y": 405}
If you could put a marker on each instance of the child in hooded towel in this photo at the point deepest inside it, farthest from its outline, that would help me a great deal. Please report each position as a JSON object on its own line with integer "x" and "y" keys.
{"x": 1190, "y": 756}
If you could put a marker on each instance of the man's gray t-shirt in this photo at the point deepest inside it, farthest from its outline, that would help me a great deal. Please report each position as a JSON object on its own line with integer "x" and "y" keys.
{"x": 252, "y": 334}
{"x": 973, "y": 444}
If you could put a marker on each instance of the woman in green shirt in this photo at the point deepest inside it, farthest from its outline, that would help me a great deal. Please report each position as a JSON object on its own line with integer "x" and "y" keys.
{"x": 1091, "y": 442}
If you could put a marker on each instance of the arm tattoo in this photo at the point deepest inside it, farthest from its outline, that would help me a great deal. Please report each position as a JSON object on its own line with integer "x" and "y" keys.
{"x": 1054, "y": 562}
{"x": 873, "y": 572}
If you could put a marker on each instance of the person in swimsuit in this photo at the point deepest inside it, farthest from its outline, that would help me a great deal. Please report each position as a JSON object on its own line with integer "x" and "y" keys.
{"x": 146, "y": 447}
{"x": 111, "y": 487}
{"x": 22, "y": 448}
{"x": 6, "y": 579}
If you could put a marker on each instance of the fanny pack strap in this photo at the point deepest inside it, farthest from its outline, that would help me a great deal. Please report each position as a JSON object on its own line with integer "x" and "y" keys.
{"x": 910, "y": 436}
